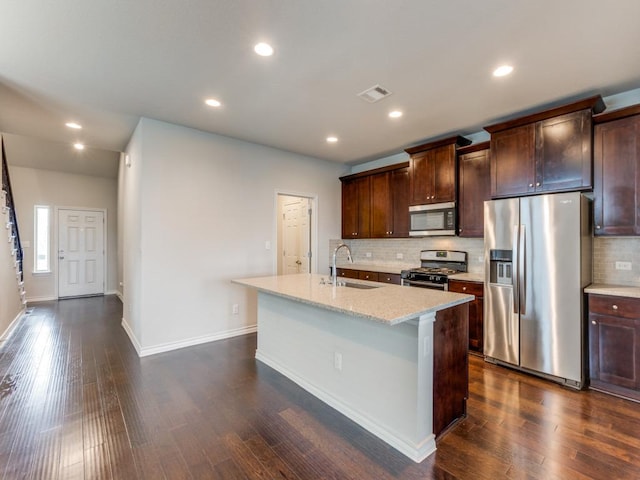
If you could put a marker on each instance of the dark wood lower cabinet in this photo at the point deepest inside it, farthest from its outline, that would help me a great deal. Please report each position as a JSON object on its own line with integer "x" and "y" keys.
{"x": 476, "y": 315}
{"x": 614, "y": 345}
{"x": 393, "y": 278}
{"x": 450, "y": 367}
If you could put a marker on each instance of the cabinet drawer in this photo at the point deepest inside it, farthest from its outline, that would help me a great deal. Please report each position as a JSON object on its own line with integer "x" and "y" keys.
{"x": 622, "y": 307}
{"x": 371, "y": 276}
{"x": 347, "y": 273}
{"x": 470, "y": 288}
{"x": 390, "y": 278}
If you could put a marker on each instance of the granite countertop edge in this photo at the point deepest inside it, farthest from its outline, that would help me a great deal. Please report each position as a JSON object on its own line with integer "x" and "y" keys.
{"x": 613, "y": 290}
{"x": 452, "y": 299}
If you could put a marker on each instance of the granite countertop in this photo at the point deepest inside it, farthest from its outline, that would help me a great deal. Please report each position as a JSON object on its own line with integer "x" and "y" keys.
{"x": 390, "y": 304}
{"x": 468, "y": 277}
{"x": 380, "y": 268}
{"x": 614, "y": 290}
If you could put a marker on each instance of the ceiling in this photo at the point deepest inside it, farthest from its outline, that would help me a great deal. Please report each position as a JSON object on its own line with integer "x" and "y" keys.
{"x": 106, "y": 63}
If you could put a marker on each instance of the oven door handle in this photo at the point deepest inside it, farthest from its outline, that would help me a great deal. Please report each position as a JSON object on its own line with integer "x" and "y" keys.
{"x": 417, "y": 283}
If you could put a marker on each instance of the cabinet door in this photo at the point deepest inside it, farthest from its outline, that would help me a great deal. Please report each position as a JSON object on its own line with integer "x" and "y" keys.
{"x": 444, "y": 174}
{"x": 400, "y": 191}
{"x": 393, "y": 278}
{"x": 349, "y": 209}
{"x": 617, "y": 177}
{"x": 347, "y": 273}
{"x": 474, "y": 188}
{"x": 422, "y": 172}
{"x": 356, "y": 208}
{"x": 476, "y": 315}
{"x": 563, "y": 152}
{"x": 513, "y": 161}
{"x": 615, "y": 350}
{"x": 381, "y": 205}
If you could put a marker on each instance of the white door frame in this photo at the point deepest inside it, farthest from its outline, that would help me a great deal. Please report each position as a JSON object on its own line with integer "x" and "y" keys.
{"x": 56, "y": 242}
{"x": 313, "y": 197}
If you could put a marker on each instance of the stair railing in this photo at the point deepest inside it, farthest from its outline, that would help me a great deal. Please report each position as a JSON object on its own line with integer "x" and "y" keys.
{"x": 10, "y": 206}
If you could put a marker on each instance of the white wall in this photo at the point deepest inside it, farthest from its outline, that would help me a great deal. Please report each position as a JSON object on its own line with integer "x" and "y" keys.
{"x": 198, "y": 209}
{"x": 57, "y": 189}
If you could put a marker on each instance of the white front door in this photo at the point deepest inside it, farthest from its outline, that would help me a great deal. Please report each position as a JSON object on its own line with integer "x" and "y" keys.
{"x": 296, "y": 235}
{"x": 80, "y": 252}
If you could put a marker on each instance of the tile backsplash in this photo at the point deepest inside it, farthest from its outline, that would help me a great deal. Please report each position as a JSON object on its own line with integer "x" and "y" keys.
{"x": 383, "y": 251}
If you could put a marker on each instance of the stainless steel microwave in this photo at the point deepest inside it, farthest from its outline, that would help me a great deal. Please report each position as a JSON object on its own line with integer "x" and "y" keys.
{"x": 431, "y": 220}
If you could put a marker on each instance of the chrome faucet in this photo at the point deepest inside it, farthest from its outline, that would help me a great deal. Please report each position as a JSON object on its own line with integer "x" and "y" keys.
{"x": 334, "y": 276}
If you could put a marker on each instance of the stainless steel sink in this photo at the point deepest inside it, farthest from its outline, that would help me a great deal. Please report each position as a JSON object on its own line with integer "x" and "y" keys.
{"x": 358, "y": 285}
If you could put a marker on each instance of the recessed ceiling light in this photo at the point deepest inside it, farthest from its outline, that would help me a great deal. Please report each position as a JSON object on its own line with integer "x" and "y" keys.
{"x": 212, "y": 102}
{"x": 502, "y": 70}
{"x": 263, "y": 49}
{"x": 395, "y": 114}
{"x": 332, "y": 139}
{"x": 74, "y": 125}
{"x": 78, "y": 146}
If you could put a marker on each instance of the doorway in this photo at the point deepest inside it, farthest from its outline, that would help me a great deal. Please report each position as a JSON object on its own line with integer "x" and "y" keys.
{"x": 80, "y": 252}
{"x": 294, "y": 227}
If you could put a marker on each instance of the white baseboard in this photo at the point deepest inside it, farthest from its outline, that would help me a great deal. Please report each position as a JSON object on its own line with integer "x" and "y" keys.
{"x": 190, "y": 342}
{"x": 41, "y": 299}
{"x": 14, "y": 323}
{"x": 416, "y": 452}
{"x": 132, "y": 336}
{"x": 120, "y": 296}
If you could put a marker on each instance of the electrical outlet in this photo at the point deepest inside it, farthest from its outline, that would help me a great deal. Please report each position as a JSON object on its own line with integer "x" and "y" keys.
{"x": 623, "y": 265}
{"x": 481, "y": 258}
{"x": 267, "y": 245}
{"x": 399, "y": 256}
{"x": 235, "y": 309}
{"x": 337, "y": 361}
{"x": 368, "y": 254}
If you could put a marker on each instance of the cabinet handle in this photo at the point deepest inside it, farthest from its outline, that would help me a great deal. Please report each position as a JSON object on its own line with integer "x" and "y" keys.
{"x": 594, "y": 322}
{"x": 597, "y": 227}
{"x": 537, "y": 184}
{"x": 531, "y": 185}
{"x": 615, "y": 307}
{"x": 460, "y": 230}
{"x": 464, "y": 289}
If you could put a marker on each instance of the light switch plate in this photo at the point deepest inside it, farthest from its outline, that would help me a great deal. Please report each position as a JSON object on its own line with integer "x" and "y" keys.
{"x": 623, "y": 265}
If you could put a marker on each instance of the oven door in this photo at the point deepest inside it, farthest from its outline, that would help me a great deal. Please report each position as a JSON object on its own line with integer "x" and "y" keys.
{"x": 424, "y": 284}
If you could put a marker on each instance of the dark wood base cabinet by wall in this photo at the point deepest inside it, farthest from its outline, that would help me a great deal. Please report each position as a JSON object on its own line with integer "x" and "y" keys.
{"x": 614, "y": 345}
{"x": 476, "y": 315}
{"x": 393, "y": 278}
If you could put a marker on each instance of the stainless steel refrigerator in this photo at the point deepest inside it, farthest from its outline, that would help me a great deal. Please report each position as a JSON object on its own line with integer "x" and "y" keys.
{"x": 537, "y": 261}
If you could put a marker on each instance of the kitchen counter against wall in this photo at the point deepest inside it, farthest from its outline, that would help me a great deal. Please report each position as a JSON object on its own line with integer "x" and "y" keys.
{"x": 613, "y": 290}
{"x": 380, "y": 268}
{"x": 468, "y": 277}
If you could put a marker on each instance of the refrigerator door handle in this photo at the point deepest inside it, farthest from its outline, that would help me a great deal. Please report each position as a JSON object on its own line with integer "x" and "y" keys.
{"x": 522, "y": 272}
{"x": 515, "y": 276}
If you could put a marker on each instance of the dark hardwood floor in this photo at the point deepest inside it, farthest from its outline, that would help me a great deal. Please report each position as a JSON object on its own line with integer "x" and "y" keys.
{"x": 76, "y": 402}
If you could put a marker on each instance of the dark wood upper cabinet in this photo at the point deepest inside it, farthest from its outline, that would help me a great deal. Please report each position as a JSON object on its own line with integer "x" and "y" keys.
{"x": 474, "y": 187}
{"x": 545, "y": 152}
{"x": 617, "y": 172}
{"x": 375, "y": 203}
{"x": 433, "y": 171}
{"x": 356, "y": 208}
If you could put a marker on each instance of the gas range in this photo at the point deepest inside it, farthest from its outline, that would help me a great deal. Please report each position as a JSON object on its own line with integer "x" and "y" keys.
{"x": 435, "y": 268}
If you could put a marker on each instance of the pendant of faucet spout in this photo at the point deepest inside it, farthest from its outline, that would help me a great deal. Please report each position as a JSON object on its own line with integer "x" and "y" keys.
{"x": 335, "y": 252}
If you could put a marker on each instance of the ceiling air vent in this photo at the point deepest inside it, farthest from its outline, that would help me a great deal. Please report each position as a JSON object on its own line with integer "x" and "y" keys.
{"x": 374, "y": 94}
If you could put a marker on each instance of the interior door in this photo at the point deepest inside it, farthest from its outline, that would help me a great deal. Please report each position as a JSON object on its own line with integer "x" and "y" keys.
{"x": 80, "y": 252}
{"x": 296, "y": 235}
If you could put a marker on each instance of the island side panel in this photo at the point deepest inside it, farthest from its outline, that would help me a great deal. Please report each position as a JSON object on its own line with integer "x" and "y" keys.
{"x": 384, "y": 382}
{"x": 451, "y": 366}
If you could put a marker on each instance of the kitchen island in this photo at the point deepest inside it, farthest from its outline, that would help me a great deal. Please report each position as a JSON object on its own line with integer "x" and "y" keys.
{"x": 393, "y": 359}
